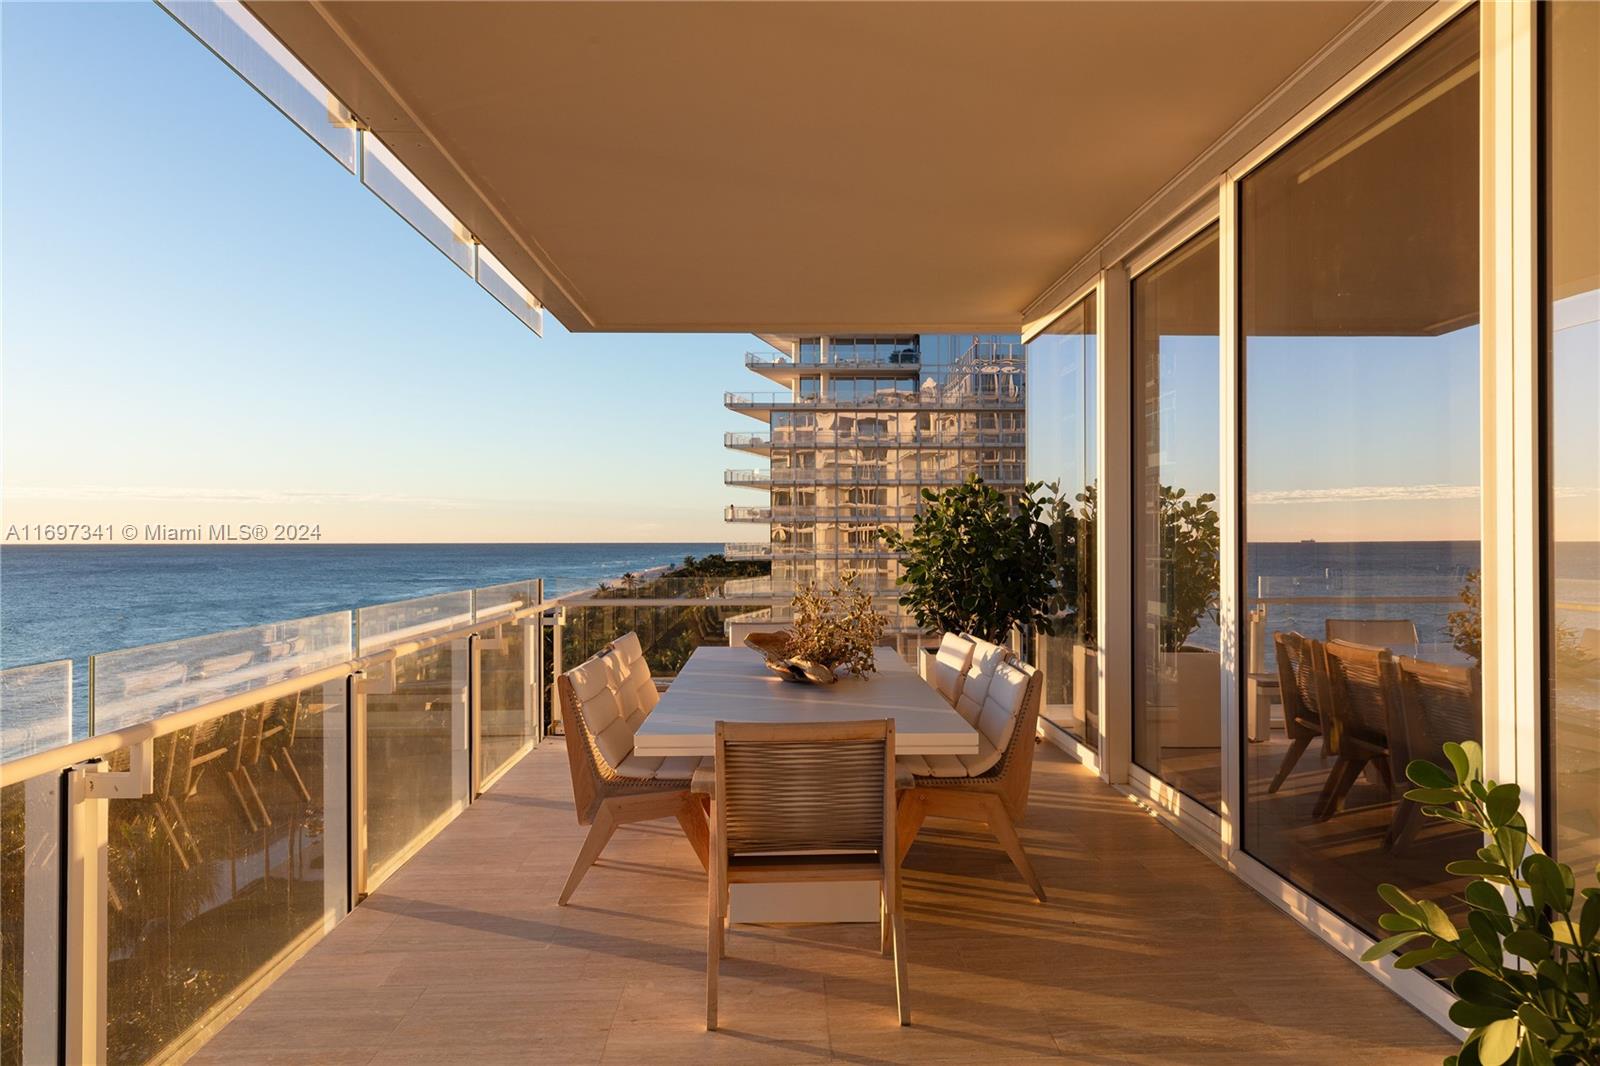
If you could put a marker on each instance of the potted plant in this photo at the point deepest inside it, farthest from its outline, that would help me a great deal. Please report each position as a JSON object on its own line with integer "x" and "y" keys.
{"x": 833, "y": 632}
{"x": 1531, "y": 988}
{"x": 979, "y": 561}
{"x": 1190, "y": 547}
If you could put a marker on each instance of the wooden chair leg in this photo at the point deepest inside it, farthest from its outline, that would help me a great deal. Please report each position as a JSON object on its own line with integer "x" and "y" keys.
{"x": 1290, "y": 757}
{"x": 885, "y": 929}
{"x": 599, "y": 833}
{"x": 713, "y": 953}
{"x": 1345, "y": 774}
{"x": 910, "y": 813}
{"x": 692, "y": 817}
{"x": 902, "y": 995}
{"x": 1403, "y": 827}
{"x": 1006, "y": 833}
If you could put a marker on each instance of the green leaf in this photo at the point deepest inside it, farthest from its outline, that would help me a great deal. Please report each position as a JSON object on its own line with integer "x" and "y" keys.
{"x": 1537, "y": 1022}
{"x": 1528, "y": 944}
{"x": 1437, "y": 921}
{"x": 1498, "y": 1041}
{"x": 1422, "y": 956}
{"x": 1474, "y": 868}
{"x": 1502, "y": 803}
{"x": 1475, "y": 986}
{"x": 1386, "y": 945}
{"x": 1484, "y": 933}
{"x": 1548, "y": 882}
{"x": 1426, "y": 774}
{"x": 1396, "y": 923}
{"x": 1534, "y": 1053}
{"x": 1458, "y": 761}
{"x": 1589, "y": 920}
{"x": 1434, "y": 796}
{"x": 1484, "y": 897}
{"x": 1401, "y": 902}
{"x": 1475, "y": 1015}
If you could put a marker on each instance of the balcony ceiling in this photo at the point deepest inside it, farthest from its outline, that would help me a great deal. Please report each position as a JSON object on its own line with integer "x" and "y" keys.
{"x": 798, "y": 167}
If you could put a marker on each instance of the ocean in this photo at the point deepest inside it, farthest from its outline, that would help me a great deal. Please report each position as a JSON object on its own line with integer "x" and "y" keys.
{"x": 72, "y": 602}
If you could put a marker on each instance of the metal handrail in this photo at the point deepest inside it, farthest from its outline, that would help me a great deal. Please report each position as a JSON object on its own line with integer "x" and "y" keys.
{"x": 32, "y": 765}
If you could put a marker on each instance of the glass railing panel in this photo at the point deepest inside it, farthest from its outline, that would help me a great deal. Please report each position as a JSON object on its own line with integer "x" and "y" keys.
{"x": 498, "y": 600}
{"x": 241, "y": 42}
{"x": 505, "y": 696}
{"x": 30, "y": 940}
{"x": 418, "y": 775}
{"x": 512, "y": 294}
{"x": 138, "y": 684}
{"x": 668, "y": 635}
{"x": 389, "y": 624}
{"x": 396, "y": 186}
{"x": 35, "y": 708}
{"x": 235, "y": 860}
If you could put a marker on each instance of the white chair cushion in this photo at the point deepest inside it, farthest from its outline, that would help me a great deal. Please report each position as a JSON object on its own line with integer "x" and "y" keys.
{"x": 615, "y": 742}
{"x": 950, "y": 666}
{"x": 643, "y": 767}
{"x": 986, "y": 658}
{"x": 1001, "y": 705}
{"x": 628, "y": 646}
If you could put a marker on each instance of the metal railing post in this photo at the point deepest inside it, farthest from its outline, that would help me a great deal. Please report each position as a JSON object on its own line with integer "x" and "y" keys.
{"x": 84, "y": 868}
{"x": 43, "y": 872}
{"x": 356, "y": 701}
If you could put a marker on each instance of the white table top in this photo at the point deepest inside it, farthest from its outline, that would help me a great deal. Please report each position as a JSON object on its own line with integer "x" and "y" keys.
{"x": 733, "y": 684}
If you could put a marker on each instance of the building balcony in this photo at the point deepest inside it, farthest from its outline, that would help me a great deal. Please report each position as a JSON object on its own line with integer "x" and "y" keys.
{"x": 995, "y": 474}
{"x": 757, "y": 443}
{"x": 904, "y": 362}
{"x": 872, "y": 436}
{"x": 762, "y": 404}
{"x": 747, "y": 549}
{"x": 736, "y": 513}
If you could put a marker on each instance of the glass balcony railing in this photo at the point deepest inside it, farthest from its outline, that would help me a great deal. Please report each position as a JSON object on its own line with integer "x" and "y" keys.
{"x": 245, "y": 790}
{"x": 734, "y": 513}
{"x": 898, "y": 359}
{"x": 994, "y": 473}
{"x": 874, "y": 434}
{"x": 959, "y": 399}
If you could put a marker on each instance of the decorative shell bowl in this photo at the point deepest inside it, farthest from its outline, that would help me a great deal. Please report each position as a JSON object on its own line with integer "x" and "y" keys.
{"x": 774, "y": 648}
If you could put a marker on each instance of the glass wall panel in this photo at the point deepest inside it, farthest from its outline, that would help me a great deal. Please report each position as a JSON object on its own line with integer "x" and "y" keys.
{"x": 1061, "y": 451}
{"x": 1361, "y": 437}
{"x": 1572, "y": 331}
{"x": 1177, "y": 720}
{"x": 505, "y": 699}
{"x": 235, "y": 858}
{"x": 384, "y": 174}
{"x": 30, "y": 941}
{"x": 389, "y": 624}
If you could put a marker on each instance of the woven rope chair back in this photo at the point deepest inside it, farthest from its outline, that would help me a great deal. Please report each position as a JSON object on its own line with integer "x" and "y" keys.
{"x": 803, "y": 795}
{"x": 1359, "y": 678}
{"x": 1442, "y": 703}
{"x": 1372, "y": 630}
{"x": 1297, "y": 679}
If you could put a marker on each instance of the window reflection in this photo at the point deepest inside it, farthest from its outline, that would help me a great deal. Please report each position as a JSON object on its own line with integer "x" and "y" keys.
{"x": 1177, "y": 721}
{"x": 1572, "y": 330}
{"x": 1359, "y": 314}
{"x": 1061, "y": 451}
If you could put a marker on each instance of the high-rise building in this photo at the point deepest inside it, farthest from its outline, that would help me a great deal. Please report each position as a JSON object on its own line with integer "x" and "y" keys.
{"x": 857, "y": 429}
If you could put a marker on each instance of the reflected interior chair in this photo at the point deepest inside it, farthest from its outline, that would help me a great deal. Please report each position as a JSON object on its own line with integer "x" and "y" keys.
{"x": 804, "y": 802}
{"x": 1372, "y": 631}
{"x": 1303, "y": 719}
{"x": 1359, "y": 692}
{"x": 1438, "y": 703}
{"x": 1001, "y": 700}
{"x": 603, "y": 702}
{"x": 949, "y": 666}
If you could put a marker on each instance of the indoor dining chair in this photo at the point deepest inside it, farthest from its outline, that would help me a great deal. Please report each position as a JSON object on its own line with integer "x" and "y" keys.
{"x": 804, "y": 802}
{"x": 1303, "y": 720}
{"x": 1438, "y": 703}
{"x": 1359, "y": 693}
{"x": 1372, "y": 631}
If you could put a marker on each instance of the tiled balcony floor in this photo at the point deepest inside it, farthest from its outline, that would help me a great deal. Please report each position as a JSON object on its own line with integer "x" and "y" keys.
{"x": 1146, "y": 953}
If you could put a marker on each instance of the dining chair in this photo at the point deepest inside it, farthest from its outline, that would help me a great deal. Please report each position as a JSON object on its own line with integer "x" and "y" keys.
{"x": 1372, "y": 631}
{"x": 804, "y": 802}
{"x": 949, "y": 666}
{"x": 1302, "y": 715}
{"x": 603, "y": 704}
{"x": 1438, "y": 703}
{"x": 990, "y": 787}
{"x": 1359, "y": 693}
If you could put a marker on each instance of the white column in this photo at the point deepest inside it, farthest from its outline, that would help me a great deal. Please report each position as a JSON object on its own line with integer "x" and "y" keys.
{"x": 1230, "y": 507}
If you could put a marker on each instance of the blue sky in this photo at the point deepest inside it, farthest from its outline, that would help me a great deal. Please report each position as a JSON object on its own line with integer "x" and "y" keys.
{"x": 207, "y": 319}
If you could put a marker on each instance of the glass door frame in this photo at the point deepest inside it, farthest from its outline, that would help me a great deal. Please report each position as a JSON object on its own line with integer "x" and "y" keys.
{"x": 1510, "y": 439}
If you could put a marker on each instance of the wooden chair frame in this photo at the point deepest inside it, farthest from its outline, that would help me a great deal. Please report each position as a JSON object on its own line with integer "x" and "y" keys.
{"x": 1302, "y": 721}
{"x": 882, "y": 866}
{"x": 998, "y": 797}
{"x": 1359, "y": 746}
{"x": 605, "y": 800}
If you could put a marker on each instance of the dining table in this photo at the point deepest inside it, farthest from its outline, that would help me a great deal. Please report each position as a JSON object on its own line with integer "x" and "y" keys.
{"x": 725, "y": 684}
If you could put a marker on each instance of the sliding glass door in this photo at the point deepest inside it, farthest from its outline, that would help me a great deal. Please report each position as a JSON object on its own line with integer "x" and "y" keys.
{"x": 1061, "y": 452}
{"x": 1360, "y": 628}
{"x": 1177, "y": 681}
{"x": 1571, "y": 56}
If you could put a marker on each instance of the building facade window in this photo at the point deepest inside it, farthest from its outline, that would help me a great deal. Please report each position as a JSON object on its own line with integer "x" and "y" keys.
{"x": 1177, "y": 677}
{"x": 1061, "y": 450}
{"x": 1571, "y": 116}
{"x": 1360, "y": 376}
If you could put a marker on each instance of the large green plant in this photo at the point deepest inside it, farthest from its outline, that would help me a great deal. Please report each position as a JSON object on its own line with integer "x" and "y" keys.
{"x": 979, "y": 560}
{"x": 1532, "y": 984}
{"x": 1190, "y": 550}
